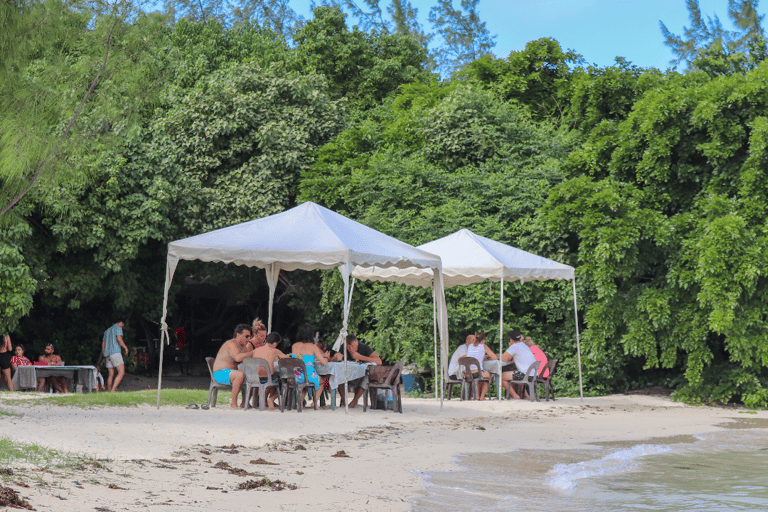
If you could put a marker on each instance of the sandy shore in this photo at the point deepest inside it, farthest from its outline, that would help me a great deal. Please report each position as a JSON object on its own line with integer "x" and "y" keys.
{"x": 196, "y": 459}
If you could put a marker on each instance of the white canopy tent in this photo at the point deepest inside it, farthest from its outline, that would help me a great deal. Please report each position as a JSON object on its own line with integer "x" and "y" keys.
{"x": 470, "y": 258}
{"x": 306, "y": 237}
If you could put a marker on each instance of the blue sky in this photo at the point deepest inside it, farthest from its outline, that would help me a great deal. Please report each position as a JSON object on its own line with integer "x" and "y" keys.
{"x": 600, "y": 30}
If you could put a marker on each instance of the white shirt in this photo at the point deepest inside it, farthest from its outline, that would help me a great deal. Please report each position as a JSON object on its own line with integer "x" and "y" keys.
{"x": 522, "y": 355}
{"x": 453, "y": 367}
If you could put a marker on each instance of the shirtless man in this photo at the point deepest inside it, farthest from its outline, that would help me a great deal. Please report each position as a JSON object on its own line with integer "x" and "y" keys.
{"x": 269, "y": 353}
{"x": 231, "y": 353}
{"x": 59, "y": 383}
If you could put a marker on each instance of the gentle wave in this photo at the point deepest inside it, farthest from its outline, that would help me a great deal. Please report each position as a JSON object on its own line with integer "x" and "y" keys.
{"x": 566, "y": 476}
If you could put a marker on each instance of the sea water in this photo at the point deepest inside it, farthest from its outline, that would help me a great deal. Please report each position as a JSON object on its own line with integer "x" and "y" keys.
{"x": 723, "y": 471}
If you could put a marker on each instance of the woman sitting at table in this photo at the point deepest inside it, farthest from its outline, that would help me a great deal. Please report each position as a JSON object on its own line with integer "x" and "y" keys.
{"x": 480, "y": 351}
{"x": 19, "y": 359}
{"x": 308, "y": 351}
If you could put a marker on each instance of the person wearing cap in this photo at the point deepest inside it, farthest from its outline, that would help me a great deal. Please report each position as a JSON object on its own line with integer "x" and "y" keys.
{"x": 518, "y": 358}
{"x": 58, "y": 383}
{"x": 110, "y": 347}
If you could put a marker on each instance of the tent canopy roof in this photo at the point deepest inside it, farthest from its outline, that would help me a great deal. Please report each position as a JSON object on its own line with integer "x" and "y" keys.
{"x": 306, "y": 237}
{"x": 470, "y": 258}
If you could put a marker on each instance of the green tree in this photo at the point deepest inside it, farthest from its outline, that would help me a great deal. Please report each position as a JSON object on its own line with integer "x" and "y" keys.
{"x": 276, "y": 15}
{"x": 464, "y": 36}
{"x": 362, "y": 67}
{"x": 539, "y": 77}
{"x": 710, "y": 33}
{"x": 666, "y": 211}
{"x": 67, "y": 89}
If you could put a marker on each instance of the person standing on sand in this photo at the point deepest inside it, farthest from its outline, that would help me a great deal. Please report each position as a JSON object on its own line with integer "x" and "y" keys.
{"x": 110, "y": 347}
{"x": 231, "y": 353}
{"x": 6, "y": 353}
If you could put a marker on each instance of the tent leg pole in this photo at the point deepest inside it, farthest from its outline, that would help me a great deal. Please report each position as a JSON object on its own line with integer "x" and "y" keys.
{"x": 501, "y": 331}
{"x": 438, "y": 375}
{"x": 578, "y": 342}
{"x": 163, "y": 334}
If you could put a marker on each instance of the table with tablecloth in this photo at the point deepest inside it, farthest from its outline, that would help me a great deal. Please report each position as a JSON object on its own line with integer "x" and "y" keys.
{"x": 335, "y": 372}
{"x": 26, "y": 376}
{"x": 494, "y": 366}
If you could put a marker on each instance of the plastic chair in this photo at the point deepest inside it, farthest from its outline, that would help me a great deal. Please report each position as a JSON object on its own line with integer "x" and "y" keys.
{"x": 530, "y": 378}
{"x": 253, "y": 382}
{"x": 387, "y": 378}
{"x": 448, "y": 388}
{"x": 547, "y": 381}
{"x": 214, "y": 388}
{"x": 288, "y": 369}
{"x": 469, "y": 383}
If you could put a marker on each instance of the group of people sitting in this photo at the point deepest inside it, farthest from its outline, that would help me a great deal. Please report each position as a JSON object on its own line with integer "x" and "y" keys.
{"x": 11, "y": 357}
{"x": 518, "y": 357}
{"x": 252, "y": 341}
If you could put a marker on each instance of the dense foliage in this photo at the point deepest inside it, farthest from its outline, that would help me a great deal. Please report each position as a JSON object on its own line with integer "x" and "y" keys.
{"x": 121, "y": 131}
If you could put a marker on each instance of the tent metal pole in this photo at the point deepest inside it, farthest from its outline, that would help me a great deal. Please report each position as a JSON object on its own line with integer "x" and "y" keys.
{"x": 163, "y": 334}
{"x": 501, "y": 332}
{"x": 438, "y": 374}
{"x": 578, "y": 342}
{"x": 170, "y": 269}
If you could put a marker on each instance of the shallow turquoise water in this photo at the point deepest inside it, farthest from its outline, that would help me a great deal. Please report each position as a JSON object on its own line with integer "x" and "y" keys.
{"x": 722, "y": 471}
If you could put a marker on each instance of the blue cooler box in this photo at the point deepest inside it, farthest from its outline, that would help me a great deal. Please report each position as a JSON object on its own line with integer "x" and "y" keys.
{"x": 409, "y": 383}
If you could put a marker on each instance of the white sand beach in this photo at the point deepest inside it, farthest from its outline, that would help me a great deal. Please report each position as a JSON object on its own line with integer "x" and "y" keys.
{"x": 195, "y": 459}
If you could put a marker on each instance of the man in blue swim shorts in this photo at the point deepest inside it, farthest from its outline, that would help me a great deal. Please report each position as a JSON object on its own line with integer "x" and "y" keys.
{"x": 231, "y": 353}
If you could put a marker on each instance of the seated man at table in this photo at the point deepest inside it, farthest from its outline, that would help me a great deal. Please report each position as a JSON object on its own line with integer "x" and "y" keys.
{"x": 522, "y": 357}
{"x": 461, "y": 351}
{"x": 362, "y": 353}
{"x": 59, "y": 383}
{"x": 231, "y": 353}
{"x": 270, "y": 354}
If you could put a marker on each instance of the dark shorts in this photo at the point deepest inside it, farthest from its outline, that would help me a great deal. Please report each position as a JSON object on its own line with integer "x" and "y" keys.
{"x": 509, "y": 368}
{"x": 5, "y": 360}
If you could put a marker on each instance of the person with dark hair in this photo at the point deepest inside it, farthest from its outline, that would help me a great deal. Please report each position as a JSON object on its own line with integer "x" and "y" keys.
{"x": 357, "y": 351}
{"x": 306, "y": 349}
{"x": 19, "y": 359}
{"x": 6, "y": 353}
{"x": 232, "y": 353}
{"x": 111, "y": 342}
{"x": 522, "y": 357}
{"x": 269, "y": 352}
{"x": 59, "y": 383}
